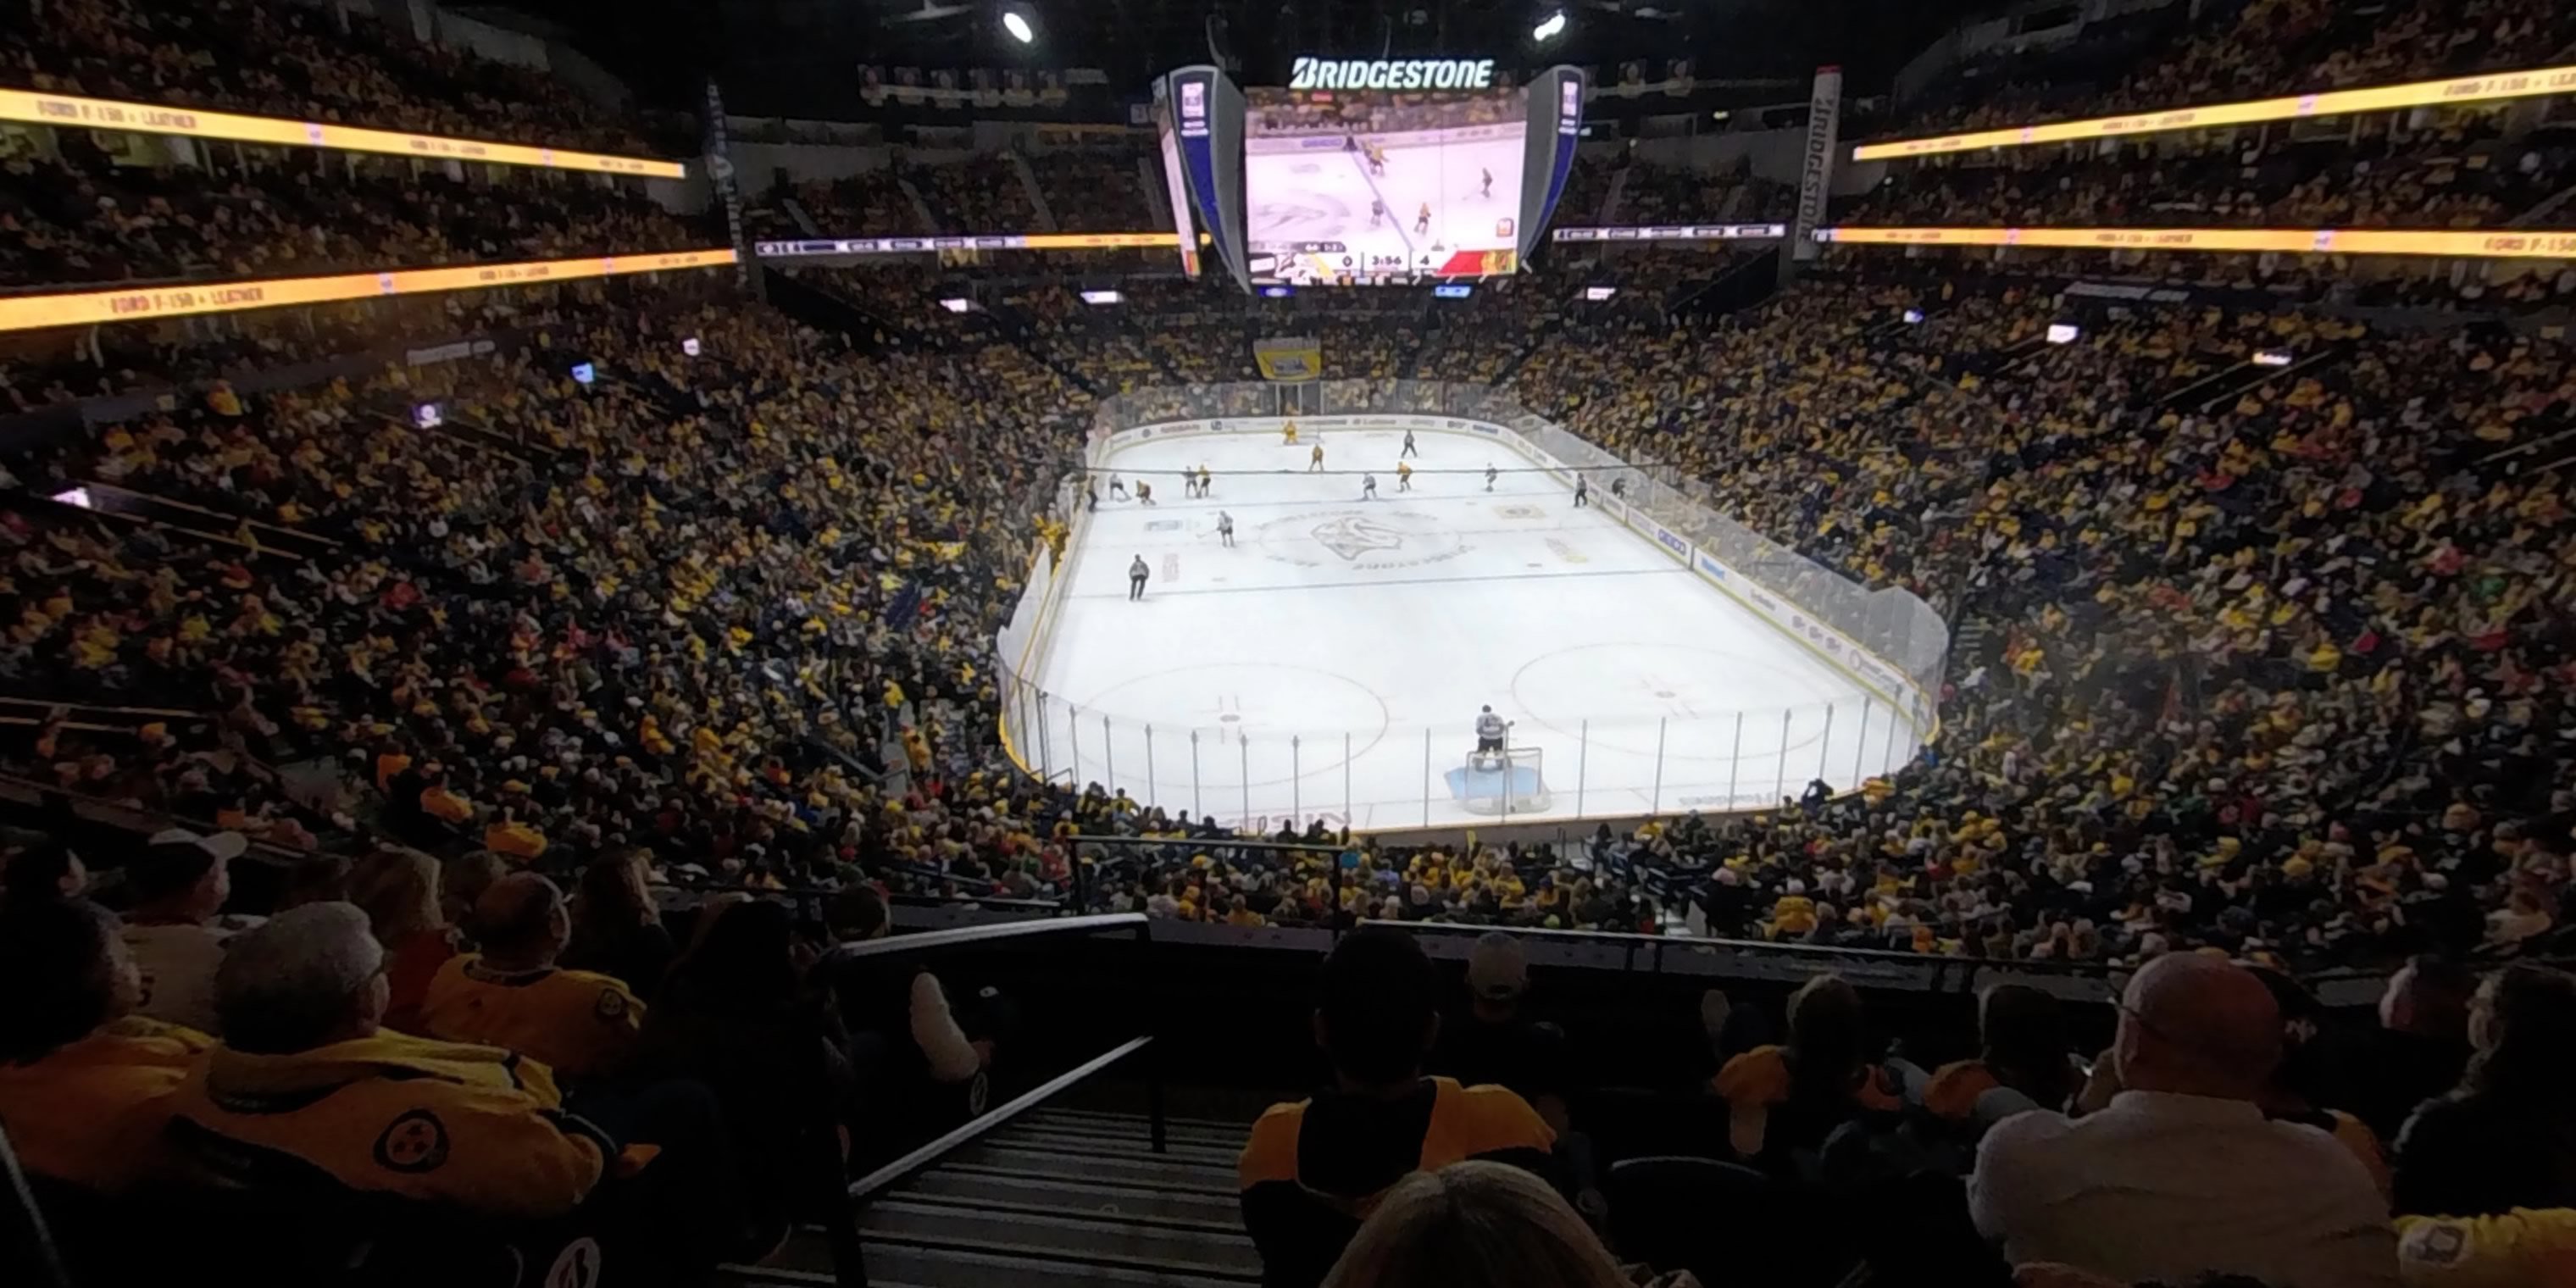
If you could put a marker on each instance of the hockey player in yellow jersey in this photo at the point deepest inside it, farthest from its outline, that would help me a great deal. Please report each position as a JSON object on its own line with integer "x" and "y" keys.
{"x": 1288, "y": 433}
{"x": 1404, "y": 476}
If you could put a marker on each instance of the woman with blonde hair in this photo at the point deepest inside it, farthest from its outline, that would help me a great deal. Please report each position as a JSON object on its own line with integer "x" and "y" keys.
{"x": 1474, "y": 1225}
{"x": 398, "y": 890}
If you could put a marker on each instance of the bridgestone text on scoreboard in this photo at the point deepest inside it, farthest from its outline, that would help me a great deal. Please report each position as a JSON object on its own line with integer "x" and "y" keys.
{"x": 1380, "y": 73}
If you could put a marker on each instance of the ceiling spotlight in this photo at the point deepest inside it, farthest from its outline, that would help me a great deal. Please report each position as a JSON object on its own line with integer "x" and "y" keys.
{"x": 1018, "y": 26}
{"x": 1550, "y": 28}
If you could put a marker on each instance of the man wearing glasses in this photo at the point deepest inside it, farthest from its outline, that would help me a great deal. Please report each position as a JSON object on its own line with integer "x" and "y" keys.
{"x": 2181, "y": 1175}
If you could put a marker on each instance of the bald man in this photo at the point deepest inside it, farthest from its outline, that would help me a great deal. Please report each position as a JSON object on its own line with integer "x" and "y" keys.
{"x": 511, "y": 994}
{"x": 2181, "y": 1174}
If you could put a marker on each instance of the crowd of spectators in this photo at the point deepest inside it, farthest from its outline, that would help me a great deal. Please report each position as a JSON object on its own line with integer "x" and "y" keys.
{"x": 333, "y": 65}
{"x": 2248, "y": 49}
{"x": 84, "y": 216}
{"x": 2454, "y": 172}
{"x": 1103, "y": 190}
{"x": 984, "y": 193}
{"x": 1459, "y": 1144}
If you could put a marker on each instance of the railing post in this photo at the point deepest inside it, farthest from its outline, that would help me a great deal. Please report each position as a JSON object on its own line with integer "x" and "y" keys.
{"x": 1825, "y": 745}
{"x": 1109, "y": 753}
{"x": 1860, "y": 745}
{"x": 1780, "y": 767}
{"x": 1046, "y": 765}
{"x": 1663, "y": 725}
{"x": 1296, "y": 778}
{"x": 1346, "y": 780}
{"x": 1582, "y": 763}
{"x": 1426, "y": 775}
{"x": 1150, "y": 782}
{"x": 1735, "y": 761}
{"x": 1245, "y": 742}
{"x": 1073, "y": 740}
{"x": 1194, "y": 775}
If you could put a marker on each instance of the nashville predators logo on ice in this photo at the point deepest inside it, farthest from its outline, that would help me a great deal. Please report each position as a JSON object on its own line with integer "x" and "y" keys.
{"x": 1351, "y": 538}
{"x": 1367, "y": 539}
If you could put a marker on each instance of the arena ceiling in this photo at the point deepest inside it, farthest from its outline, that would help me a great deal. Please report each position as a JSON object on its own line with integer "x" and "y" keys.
{"x": 799, "y": 57}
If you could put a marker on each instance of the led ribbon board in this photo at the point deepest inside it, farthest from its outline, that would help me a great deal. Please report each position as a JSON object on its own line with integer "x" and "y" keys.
{"x": 1674, "y": 232}
{"x": 152, "y": 303}
{"x": 2502, "y": 243}
{"x": 33, "y": 108}
{"x": 991, "y": 241}
{"x": 2466, "y": 89}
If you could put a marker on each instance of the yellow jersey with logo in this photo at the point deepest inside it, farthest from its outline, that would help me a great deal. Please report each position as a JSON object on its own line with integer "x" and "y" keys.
{"x": 578, "y": 1024}
{"x": 476, "y": 1127}
{"x": 91, "y": 1112}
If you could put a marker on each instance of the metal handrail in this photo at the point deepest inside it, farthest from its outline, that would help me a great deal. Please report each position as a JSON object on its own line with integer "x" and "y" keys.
{"x": 841, "y": 1227}
{"x": 964, "y": 935}
{"x": 968, "y": 1132}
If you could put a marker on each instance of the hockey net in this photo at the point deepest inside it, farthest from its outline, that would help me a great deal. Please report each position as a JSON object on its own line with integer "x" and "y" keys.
{"x": 1513, "y": 781}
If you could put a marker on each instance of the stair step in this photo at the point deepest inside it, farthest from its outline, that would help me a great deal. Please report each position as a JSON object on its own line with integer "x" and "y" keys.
{"x": 969, "y": 1263}
{"x": 1119, "y": 1145}
{"x": 1073, "y": 1198}
{"x": 1159, "y": 1173}
{"x": 1147, "y": 1247}
{"x": 1205, "y": 1130}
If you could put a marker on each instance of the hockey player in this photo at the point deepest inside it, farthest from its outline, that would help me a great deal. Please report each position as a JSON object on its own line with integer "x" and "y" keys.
{"x": 1489, "y": 478}
{"x": 1376, "y": 159}
{"x": 1422, "y": 219}
{"x": 1225, "y": 529}
{"x": 1117, "y": 488}
{"x": 1489, "y": 180}
{"x": 1403, "y": 476}
{"x": 1137, "y": 572}
{"x": 1288, "y": 433}
{"x": 1368, "y": 487}
{"x": 1582, "y": 491}
{"x": 1377, "y": 212}
{"x": 1409, "y": 448}
{"x": 1091, "y": 493}
{"x": 1315, "y": 460}
{"x": 1491, "y": 729}
{"x": 1144, "y": 492}
{"x": 1207, "y": 481}
{"x": 1619, "y": 488}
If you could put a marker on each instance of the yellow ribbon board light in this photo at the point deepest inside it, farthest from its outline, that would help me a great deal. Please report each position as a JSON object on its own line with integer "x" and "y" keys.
{"x": 2466, "y": 89}
{"x": 2501, "y": 243}
{"x": 152, "y": 303}
{"x": 33, "y": 108}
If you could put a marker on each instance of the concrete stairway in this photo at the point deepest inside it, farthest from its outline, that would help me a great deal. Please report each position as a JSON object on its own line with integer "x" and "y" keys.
{"x": 1055, "y": 1199}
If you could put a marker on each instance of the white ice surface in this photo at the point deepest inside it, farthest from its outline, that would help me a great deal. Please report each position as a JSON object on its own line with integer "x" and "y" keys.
{"x": 1332, "y": 663}
{"x": 1325, "y": 195}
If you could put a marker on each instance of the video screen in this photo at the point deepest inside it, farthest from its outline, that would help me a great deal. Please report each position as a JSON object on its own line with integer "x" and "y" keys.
{"x": 1373, "y": 187}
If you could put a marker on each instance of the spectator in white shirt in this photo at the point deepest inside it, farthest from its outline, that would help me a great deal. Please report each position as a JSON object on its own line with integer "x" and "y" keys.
{"x": 176, "y": 886}
{"x": 2182, "y": 1175}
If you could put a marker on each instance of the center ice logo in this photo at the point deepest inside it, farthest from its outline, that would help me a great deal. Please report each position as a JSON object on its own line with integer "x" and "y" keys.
{"x": 1364, "y": 540}
{"x": 1351, "y": 538}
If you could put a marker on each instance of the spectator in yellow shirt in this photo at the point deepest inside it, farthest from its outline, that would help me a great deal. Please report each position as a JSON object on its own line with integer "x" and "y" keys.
{"x": 85, "y": 1084}
{"x": 511, "y": 994}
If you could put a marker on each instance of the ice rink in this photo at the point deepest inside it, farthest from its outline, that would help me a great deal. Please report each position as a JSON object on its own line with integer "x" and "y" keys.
{"x": 1325, "y": 195}
{"x": 1333, "y": 661}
